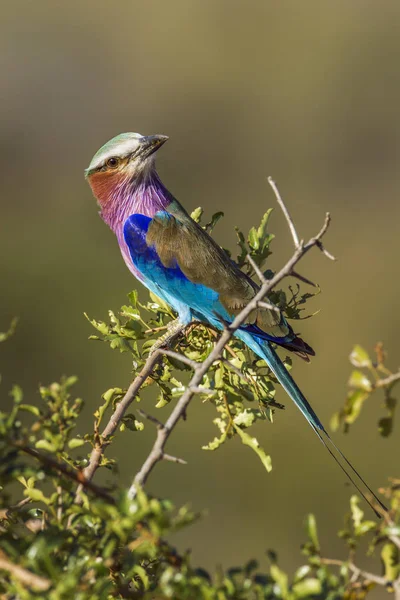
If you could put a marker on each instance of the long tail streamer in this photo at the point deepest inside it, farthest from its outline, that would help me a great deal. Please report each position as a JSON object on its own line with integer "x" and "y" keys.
{"x": 265, "y": 351}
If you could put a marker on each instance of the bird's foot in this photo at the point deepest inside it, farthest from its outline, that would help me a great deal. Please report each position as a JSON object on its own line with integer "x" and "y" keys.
{"x": 174, "y": 329}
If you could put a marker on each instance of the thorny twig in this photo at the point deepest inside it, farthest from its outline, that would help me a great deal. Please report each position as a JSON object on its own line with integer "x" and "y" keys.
{"x": 387, "y": 381}
{"x": 355, "y": 570}
{"x": 70, "y": 473}
{"x": 285, "y": 211}
{"x": 365, "y": 576}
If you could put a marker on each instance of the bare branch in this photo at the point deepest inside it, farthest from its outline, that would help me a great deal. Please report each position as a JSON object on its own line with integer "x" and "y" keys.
{"x": 183, "y": 359}
{"x": 316, "y": 241}
{"x": 157, "y": 451}
{"x": 235, "y": 369}
{"x": 285, "y": 211}
{"x": 75, "y": 475}
{"x": 325, "y": 251}
{"x": 174, "y": 459}
{"x": 396, "y": 589}
{"x": 256, "y": 269}
{"x": 268, "y": 306}
{"x": 155, "y": 329}
{"x": 387, "y": 381}
{"x": 149, "y": 417}
{"x": 261, "y": 277}
{"x": 355, "y": 570}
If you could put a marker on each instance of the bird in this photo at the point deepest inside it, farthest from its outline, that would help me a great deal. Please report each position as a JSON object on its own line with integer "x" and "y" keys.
{"x": 177, "y": 260}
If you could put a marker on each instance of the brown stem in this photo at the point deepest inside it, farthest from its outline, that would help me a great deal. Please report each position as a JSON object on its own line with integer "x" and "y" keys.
{"x": 387, "y": 381}
{"x": 73, "y": 474}
{"x": 379, "y": 580}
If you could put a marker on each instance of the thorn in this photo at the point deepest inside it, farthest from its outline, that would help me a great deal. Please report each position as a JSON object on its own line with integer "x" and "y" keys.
{"x": 174, "y": 459}
{"x": 150, "y": 418}
{"x": 320, "y": 245}
{"x": 304, "y": 279}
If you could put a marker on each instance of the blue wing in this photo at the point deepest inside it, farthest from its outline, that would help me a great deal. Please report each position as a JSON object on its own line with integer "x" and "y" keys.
{"x": 171, "y": 284}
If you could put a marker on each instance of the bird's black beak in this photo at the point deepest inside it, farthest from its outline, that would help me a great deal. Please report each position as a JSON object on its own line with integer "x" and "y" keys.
{"x": 150, "y": 144}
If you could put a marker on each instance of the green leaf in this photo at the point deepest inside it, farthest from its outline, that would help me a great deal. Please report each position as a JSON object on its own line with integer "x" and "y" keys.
{"x": 46, "y": 445}
{"x": 312, "y": 532}
{"x": 334, "y": 423}
{"x": 217, "y": 442}
{"x": 11, "y": 329}
{"x": 354, "y": 403}
{"x": 36, "y": 495}
{"x": 163, "y": 400}
{"x": 133, "y": 298}
{"x": 196, "y": 214}
{"x": 309, "y": 588}
{"x": 253, "y": 238}
{"x": 360, "y": 357}
{"x": 75, "y": 443}
{"x": 142, "y": 575}
{"x": 132, "y": 423}
{"x": 29, "y": 408}
{"x": 262, "y": 228}
{"x": 301, "y": 573}
{"x": 385, "y": 426}
{"x": 109, "y": 396}
{"x": 390, "y": 559}
{"x": 214, "y": 220}
{"x": 281, "y": 579}
{"x": 364, "y": 527}
{"x": 250, "y": 566}
{"x": 99, "y": 325}
{"x": 356, "y": 512}
{"x": 160, "y": 303}
{"x": 360, "y": 381}
{"x": 17, "y": 394}
{"x": 132, "y": 313}
{"x": 252, "y": 442}
{"x": 244, "y": 418}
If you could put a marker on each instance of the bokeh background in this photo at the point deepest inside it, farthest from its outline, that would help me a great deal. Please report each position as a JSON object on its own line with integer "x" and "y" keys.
{"x": 306, "y": 92}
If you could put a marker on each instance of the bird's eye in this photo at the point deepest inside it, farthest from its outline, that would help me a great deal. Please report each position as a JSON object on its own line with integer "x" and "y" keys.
{"x": 112, "y": 162}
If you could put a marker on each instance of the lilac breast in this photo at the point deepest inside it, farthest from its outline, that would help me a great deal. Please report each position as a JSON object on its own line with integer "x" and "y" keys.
{"x": 146, "y": 197}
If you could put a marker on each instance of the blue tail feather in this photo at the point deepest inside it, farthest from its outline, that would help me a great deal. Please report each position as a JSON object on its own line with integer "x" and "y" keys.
{"x": 264, "y": 350}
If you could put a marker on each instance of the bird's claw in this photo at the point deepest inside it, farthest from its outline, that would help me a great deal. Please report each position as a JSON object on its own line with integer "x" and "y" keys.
{"x": 174, "y": 328}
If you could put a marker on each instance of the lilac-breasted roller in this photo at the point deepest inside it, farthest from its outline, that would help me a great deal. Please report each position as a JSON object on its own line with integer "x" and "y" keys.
{"x": 179, "y": 262}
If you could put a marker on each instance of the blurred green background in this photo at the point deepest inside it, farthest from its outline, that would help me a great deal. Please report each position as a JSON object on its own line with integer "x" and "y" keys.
{"x": 306, "y": 92}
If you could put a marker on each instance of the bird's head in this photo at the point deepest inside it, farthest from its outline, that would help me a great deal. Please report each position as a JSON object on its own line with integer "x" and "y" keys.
{"x": 125, "y": 158}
